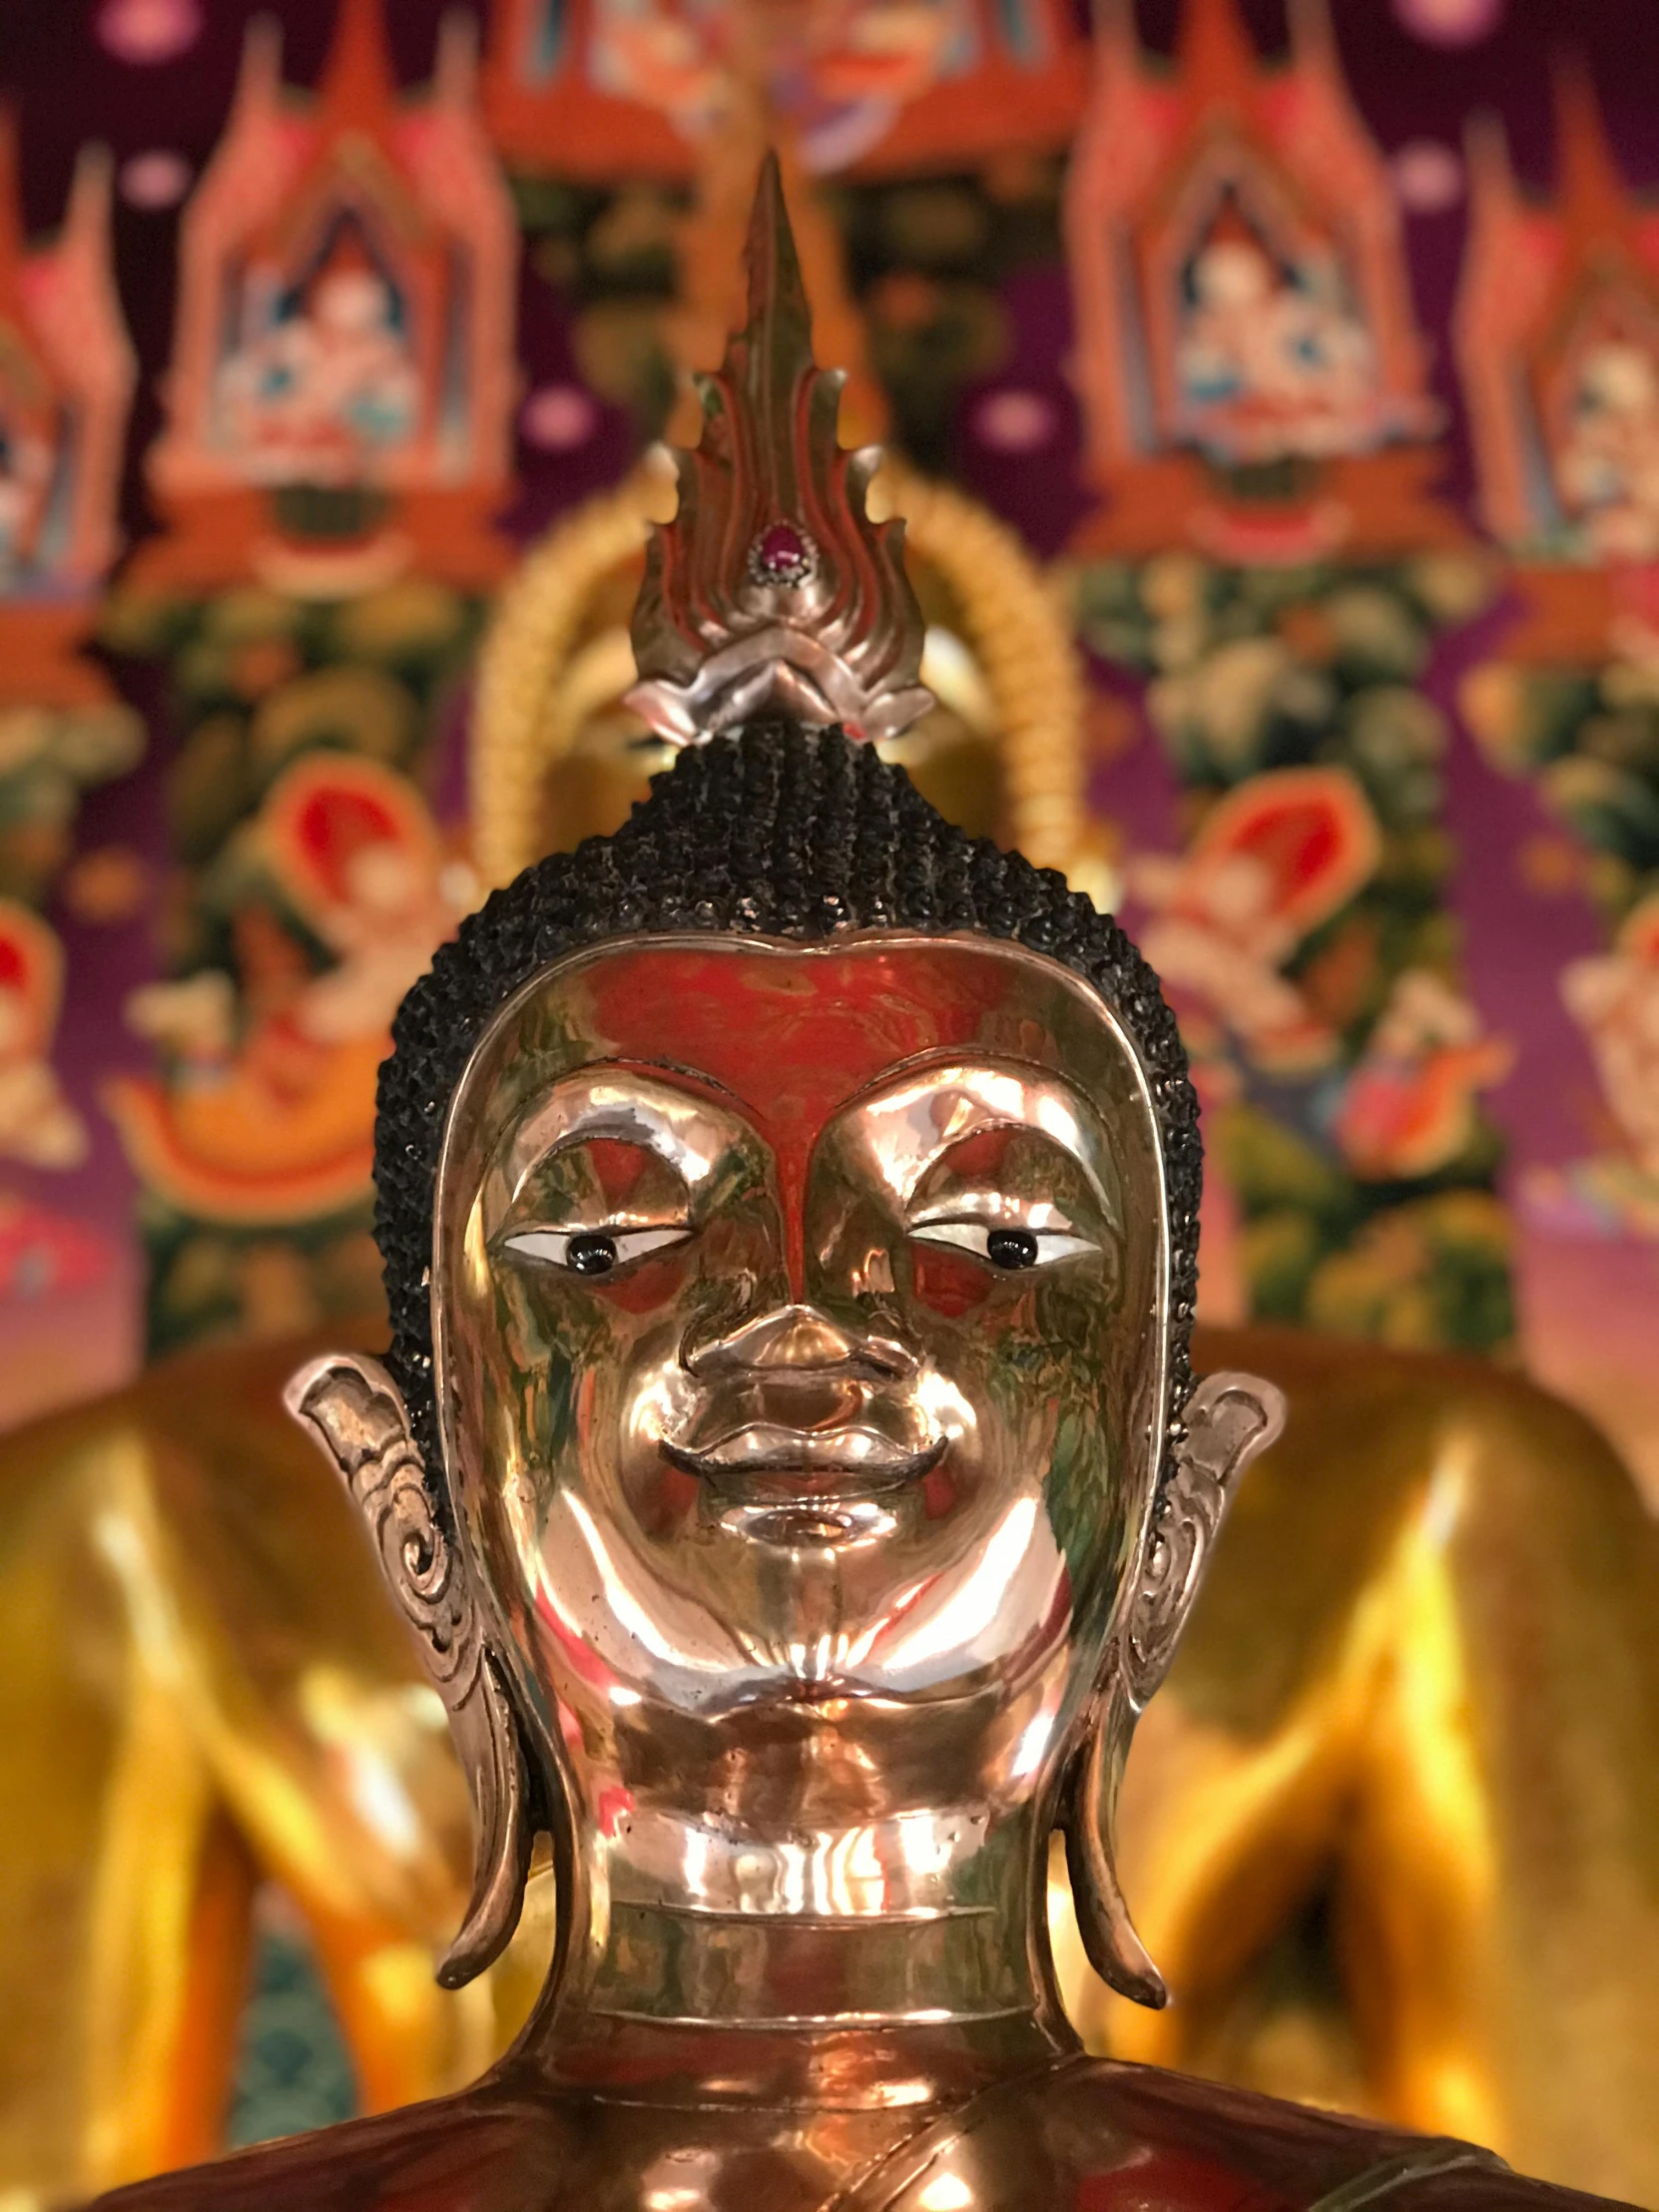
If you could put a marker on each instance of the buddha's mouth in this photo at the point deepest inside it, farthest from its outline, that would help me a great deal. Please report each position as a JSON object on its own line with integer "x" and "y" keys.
{"x": 778, "y": 1465}
{"x": 815, "y": 1437}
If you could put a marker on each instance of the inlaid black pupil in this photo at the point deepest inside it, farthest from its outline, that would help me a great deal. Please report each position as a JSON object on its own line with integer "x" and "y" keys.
{"x": 1011, "y": 1248}
{"x": 593, "y": 1253}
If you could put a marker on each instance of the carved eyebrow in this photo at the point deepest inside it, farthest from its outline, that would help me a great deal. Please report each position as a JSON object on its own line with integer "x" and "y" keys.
{"x": 905, "y": 1128}
{"x": 616, "y": 1100}
{"x": 685, "y": 1070}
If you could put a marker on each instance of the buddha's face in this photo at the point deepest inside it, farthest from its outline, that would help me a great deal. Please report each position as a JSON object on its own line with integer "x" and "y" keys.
{"x": 800, "y": 1337}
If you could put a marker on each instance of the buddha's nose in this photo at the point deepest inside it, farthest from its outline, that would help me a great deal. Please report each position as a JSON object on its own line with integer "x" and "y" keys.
{"x": 801, "y": 1340}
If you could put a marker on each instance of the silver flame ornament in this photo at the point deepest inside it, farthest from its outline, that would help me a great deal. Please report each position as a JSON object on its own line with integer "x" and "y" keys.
{"x": 772, "y": 590}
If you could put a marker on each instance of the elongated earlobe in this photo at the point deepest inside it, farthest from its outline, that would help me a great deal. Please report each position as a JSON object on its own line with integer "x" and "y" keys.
{"x": 1089, "y": 1820}
{"x": 1228, "y": 1418}
{"x": 356, "y": 1411}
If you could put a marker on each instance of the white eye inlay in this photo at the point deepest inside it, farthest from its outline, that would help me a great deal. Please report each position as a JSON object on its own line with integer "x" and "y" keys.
{"x": 1012, "y": 1247}
{"x": 598, "y": 1250}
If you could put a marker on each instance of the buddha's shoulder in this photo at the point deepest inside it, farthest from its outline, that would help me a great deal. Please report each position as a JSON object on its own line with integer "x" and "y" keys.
{"x": 1098, "y": 2136}
{"x": 1089, "y": 2136}
{"x": 469, "y": 2153}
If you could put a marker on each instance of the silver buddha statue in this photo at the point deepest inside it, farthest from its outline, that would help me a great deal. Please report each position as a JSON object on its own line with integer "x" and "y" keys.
{"x": 788, "y": 1457}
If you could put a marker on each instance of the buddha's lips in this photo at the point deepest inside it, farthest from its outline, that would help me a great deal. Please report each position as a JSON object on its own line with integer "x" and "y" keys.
{"x": 830, "y": 1458}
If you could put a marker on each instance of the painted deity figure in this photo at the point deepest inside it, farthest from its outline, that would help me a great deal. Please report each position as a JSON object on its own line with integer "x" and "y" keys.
{"x": 1607, "y": 466}
{"x": 25, "y": 479}
{"x": 788, "y": 1457}
{"x": 273, "y": 1120}
{"x": 839, "y": 70}
{"x": 1614, "y": 997}
{"x": 329, "y": 390}
{"x": 1409, "y": 1105}
{"x": 1271, "y": 359}
{"x": 1271, "y": 861}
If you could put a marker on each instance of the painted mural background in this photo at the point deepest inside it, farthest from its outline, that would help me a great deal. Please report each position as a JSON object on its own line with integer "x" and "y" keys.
{"x": 1314, "y": 349}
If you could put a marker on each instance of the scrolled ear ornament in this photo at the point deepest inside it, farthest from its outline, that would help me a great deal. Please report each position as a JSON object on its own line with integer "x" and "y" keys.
{"x": 1229, "y": 1418}
{"x": 1227, "y": 1421}
{"x": 355, "y": 1412}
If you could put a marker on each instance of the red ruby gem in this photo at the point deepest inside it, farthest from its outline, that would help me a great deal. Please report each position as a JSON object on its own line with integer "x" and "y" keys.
{"x": 782, "y": 550}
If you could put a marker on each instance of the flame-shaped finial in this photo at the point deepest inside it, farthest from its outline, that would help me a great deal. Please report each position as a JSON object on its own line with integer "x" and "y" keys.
{"x": 772, "y": 588}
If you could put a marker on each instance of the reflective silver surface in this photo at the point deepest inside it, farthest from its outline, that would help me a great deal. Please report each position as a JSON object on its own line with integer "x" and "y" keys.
{"x": 807, "y": 1508}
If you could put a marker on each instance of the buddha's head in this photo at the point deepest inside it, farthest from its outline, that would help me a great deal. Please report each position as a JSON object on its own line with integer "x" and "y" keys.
{"x": 790, "y": 1456}
{"x": 788, "y": 1208}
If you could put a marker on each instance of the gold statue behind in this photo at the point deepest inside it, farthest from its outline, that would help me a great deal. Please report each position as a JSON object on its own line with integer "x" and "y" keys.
{"x": 1389, "y": 1827}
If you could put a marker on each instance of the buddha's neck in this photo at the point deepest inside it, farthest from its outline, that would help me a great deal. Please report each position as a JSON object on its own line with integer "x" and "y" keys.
{"x": 863, "y": 1967}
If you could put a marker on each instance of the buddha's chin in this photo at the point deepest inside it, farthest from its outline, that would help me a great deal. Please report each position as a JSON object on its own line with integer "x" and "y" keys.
{"x": 792, "y": 1521}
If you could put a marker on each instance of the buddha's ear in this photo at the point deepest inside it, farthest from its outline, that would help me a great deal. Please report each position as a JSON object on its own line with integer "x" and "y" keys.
{"x": 1227, "y": 1420}
{"x": 356, "y": 1413}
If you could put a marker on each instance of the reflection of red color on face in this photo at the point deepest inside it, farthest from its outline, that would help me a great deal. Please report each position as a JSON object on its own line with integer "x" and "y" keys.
{"x": 648, "y": 1284}
{"x": 584, "y": 1660}
{"x": 614, "y": 1807}
{"x": 672, "y": 1501}
{"x": 617, "y": 1166}
{"x": 938, "y": 1490}
{"x": 981, "y": 1155}
{"x": 950, "y": 1282}
{"x": 794, "y": 1038}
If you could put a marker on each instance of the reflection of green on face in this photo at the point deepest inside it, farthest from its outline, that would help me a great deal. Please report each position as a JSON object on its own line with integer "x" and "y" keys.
{"x": 752, "y": 1250}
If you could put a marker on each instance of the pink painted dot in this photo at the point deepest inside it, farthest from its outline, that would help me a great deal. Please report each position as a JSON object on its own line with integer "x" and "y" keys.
{"x": 149, "y": 31}
{"x": 1449, "y": 22}
{"x": 1428, "y": 178}
{"x": 1015, "y": 421}
{"x": 159, "y": 179}
{"x": 558, "y": 417}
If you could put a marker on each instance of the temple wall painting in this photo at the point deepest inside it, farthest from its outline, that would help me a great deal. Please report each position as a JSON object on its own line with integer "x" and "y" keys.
{"x": 1301, "y": 359}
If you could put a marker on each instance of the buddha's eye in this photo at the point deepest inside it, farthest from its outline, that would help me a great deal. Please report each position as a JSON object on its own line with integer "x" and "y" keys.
{"x": 1003, "y": 1244}
{"x": 1011, "y": 1248}
{"x": 591, "y": 1252}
